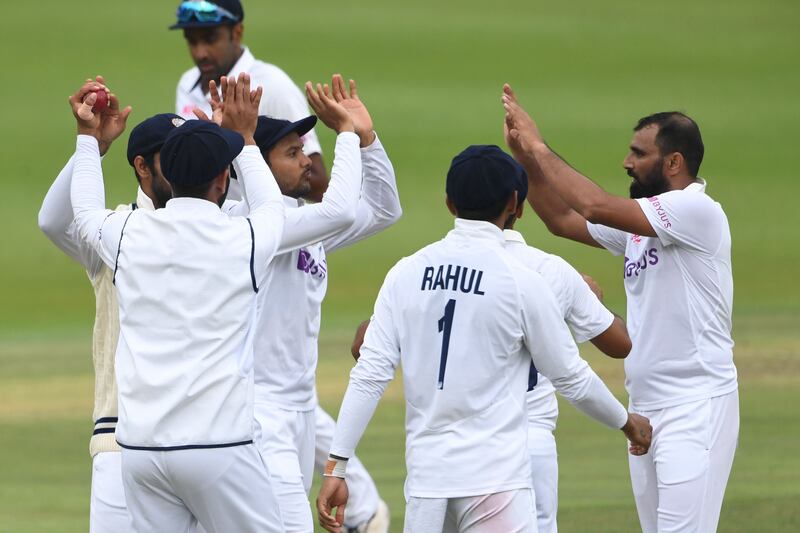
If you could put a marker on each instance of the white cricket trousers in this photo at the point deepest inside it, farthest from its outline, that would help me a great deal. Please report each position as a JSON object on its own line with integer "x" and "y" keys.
{"x": 287, "y": 444}
{"x": 512, "y": 511}
{"x": 363, "y": 500}
{"x": 107, "y": 508}
{"x": 544, "y": 475}
{"x": 224, "y": 489}
{"x": 680, "y": 483}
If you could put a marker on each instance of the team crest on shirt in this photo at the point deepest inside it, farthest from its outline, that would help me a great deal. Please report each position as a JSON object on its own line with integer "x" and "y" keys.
{"x": 636, "y": 238}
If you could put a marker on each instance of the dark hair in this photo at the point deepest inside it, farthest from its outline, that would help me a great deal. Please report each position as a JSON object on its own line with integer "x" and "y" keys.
{"x": 149, "y": 160}
{"x": 488, "y": 214}
{"x": 195, "y": 191}
{"x": 677, "y": 133}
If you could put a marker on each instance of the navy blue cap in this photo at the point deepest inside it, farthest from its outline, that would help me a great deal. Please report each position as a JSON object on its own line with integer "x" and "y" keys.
{"x": 483, "y": 176}
{"x": 270, "y": 131}
{"x": 206, "y": 14}
{"x": 198, "y": 152}
{"x": 149, "y": 135}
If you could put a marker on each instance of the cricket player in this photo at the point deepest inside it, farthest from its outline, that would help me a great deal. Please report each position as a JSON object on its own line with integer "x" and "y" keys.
{"x": 588, "y": 320}
{"x": 286, "y": 340}
{"x": 676, "y": 243}
{"x": 187, "y": 278}
{"x": 108, "y": 510}
{"x": 466, "y": 319}
{"x": 213, "y": 33}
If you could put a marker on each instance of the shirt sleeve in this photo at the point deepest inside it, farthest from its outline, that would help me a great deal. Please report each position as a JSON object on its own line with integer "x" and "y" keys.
{"x": 612, "y": 239}
{"x": 379, "y": 205}
{"x": 380, "y": 356}
{"x": 313, "y": 223}
{"x": 56, "y": 221}
{"x": 586, "y": 315}
{"x": 685, "y": 218}
{"x": 266, "y": 207}
{"x": 101, "y": 228}
{"x": 556, "y": 356}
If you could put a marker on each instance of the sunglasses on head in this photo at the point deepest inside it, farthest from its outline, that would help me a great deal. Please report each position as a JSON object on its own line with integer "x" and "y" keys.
{"x": 204, "y": 12}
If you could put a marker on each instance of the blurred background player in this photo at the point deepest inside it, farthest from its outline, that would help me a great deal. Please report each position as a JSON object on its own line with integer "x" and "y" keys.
{"x": 290, "y": 301}
{"x": 466, "y": 319}
{"x": 108, "y": 510}
{"x": 678, "y": 280}
{"x": 184, "y": 378}
{"x": 214, "y": 32}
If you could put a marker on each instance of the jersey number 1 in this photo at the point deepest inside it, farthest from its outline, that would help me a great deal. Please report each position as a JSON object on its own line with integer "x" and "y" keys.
{"x": 445, "y": 326}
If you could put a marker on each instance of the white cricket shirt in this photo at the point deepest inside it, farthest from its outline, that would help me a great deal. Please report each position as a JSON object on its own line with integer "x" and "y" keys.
{"x": 56, "y": 220}
{"x": 281, "y": 98}
{"x": 680, "y": 299}
{"x": 186, "y": 279}
{"x": 291, "y": 298}
{"x": 463, "y": 317}
{"x": 583, "y": 312}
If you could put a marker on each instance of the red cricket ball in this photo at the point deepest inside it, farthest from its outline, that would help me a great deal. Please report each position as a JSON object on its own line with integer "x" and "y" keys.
{"x": 101, "y": 102}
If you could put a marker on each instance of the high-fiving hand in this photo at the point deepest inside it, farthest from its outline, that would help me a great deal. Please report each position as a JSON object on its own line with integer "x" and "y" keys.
{"x": 106, "y": 125}
{"x": 240, "y": 106}
{"x": 362, "y": 121}
{"x": 332, "y": 113}
{"x": 520, "y": 131}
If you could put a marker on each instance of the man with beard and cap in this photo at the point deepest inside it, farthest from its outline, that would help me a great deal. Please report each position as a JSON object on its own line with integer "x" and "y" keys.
{"x": 677, "y": 248}
{"x": 186, "y": 279}
{"x": 214, "y": 33}
{"x": 361, "y": 201}
{"x": 108, "y": 510}
{"x": 465, "y": 320}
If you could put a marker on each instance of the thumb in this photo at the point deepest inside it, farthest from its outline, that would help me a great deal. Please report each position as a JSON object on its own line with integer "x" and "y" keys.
{"x": 125, "y": 114}
{"x": 199, "y": 113}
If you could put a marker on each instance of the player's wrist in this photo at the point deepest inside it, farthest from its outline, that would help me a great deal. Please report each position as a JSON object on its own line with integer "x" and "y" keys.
{"x": 335, "y": 467}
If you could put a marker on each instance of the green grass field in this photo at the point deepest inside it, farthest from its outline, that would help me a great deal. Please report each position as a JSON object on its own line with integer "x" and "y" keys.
{"x": 431, "y": 73}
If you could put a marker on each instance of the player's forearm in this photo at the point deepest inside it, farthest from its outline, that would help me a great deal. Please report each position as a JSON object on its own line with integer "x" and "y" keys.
{"x": 380, "y": 185}
{"x": 266, "y": 203}
{"x": 578, "y": 192}
{"x": 338, "y": 205}
{"x": 86, "y": 191}
{"x": 587, "y": 392}
{"x": 359, "y": 404}
{"x": 55, "y": 215}
{"x": 614, "y": 341}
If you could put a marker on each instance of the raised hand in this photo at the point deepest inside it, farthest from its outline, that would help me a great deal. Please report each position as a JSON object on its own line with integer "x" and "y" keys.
{"x": 240, "y": 106}
{"x": 520, "y": 131}
{"x": 333, "y": 493}
{"x": 639, "y": 433}
{"x": 328, "y": 110}
{"x": 106, "y": 125}
{"x": 216, "y": 106}
{"x": 362, "y": 121}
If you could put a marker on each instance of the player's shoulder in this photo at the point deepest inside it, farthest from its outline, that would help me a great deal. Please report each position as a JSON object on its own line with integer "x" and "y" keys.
{"x": 124, "y": 207}
{"x": 263, "y": 71}
{"x": 188, "y": 79}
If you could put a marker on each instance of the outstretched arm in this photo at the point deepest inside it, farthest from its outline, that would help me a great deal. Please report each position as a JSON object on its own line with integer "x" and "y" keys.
{"x": 584, "y": 197}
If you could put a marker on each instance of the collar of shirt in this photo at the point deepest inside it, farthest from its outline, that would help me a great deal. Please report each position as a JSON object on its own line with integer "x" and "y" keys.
{"x": 288, "y": 201}
{"x": 192, "y": 204}
{"x": 477, "y": 229}
{"x": 697, "y": 186}
{"x": 143, "y": 201}
{"x": 511, "y": 235}
{"x": 244, "y": 64}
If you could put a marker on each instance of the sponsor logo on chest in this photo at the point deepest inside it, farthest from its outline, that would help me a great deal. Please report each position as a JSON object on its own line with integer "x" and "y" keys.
{"x": 641, "y": 257}
{"x": 314, "y": 267}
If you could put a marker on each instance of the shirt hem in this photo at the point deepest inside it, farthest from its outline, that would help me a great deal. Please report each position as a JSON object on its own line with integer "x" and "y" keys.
{"x": 673, "y": 402}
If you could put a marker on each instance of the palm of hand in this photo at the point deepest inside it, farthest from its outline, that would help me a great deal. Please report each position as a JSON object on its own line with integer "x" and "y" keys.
{"x": 362, "y": 121}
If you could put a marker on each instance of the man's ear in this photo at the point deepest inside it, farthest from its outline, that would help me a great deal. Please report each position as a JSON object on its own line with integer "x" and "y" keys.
{"x": 511, "y": 206}
{"x": 237, "y": 32}
{"x": 674, "y": 164}
{"x": 450, "y": 206}
{"x": 520, "y": 209}
{"x": 143, "y": 172}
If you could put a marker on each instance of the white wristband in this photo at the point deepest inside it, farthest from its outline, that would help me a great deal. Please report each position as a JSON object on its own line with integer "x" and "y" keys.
{"x": 335, "y": 467}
